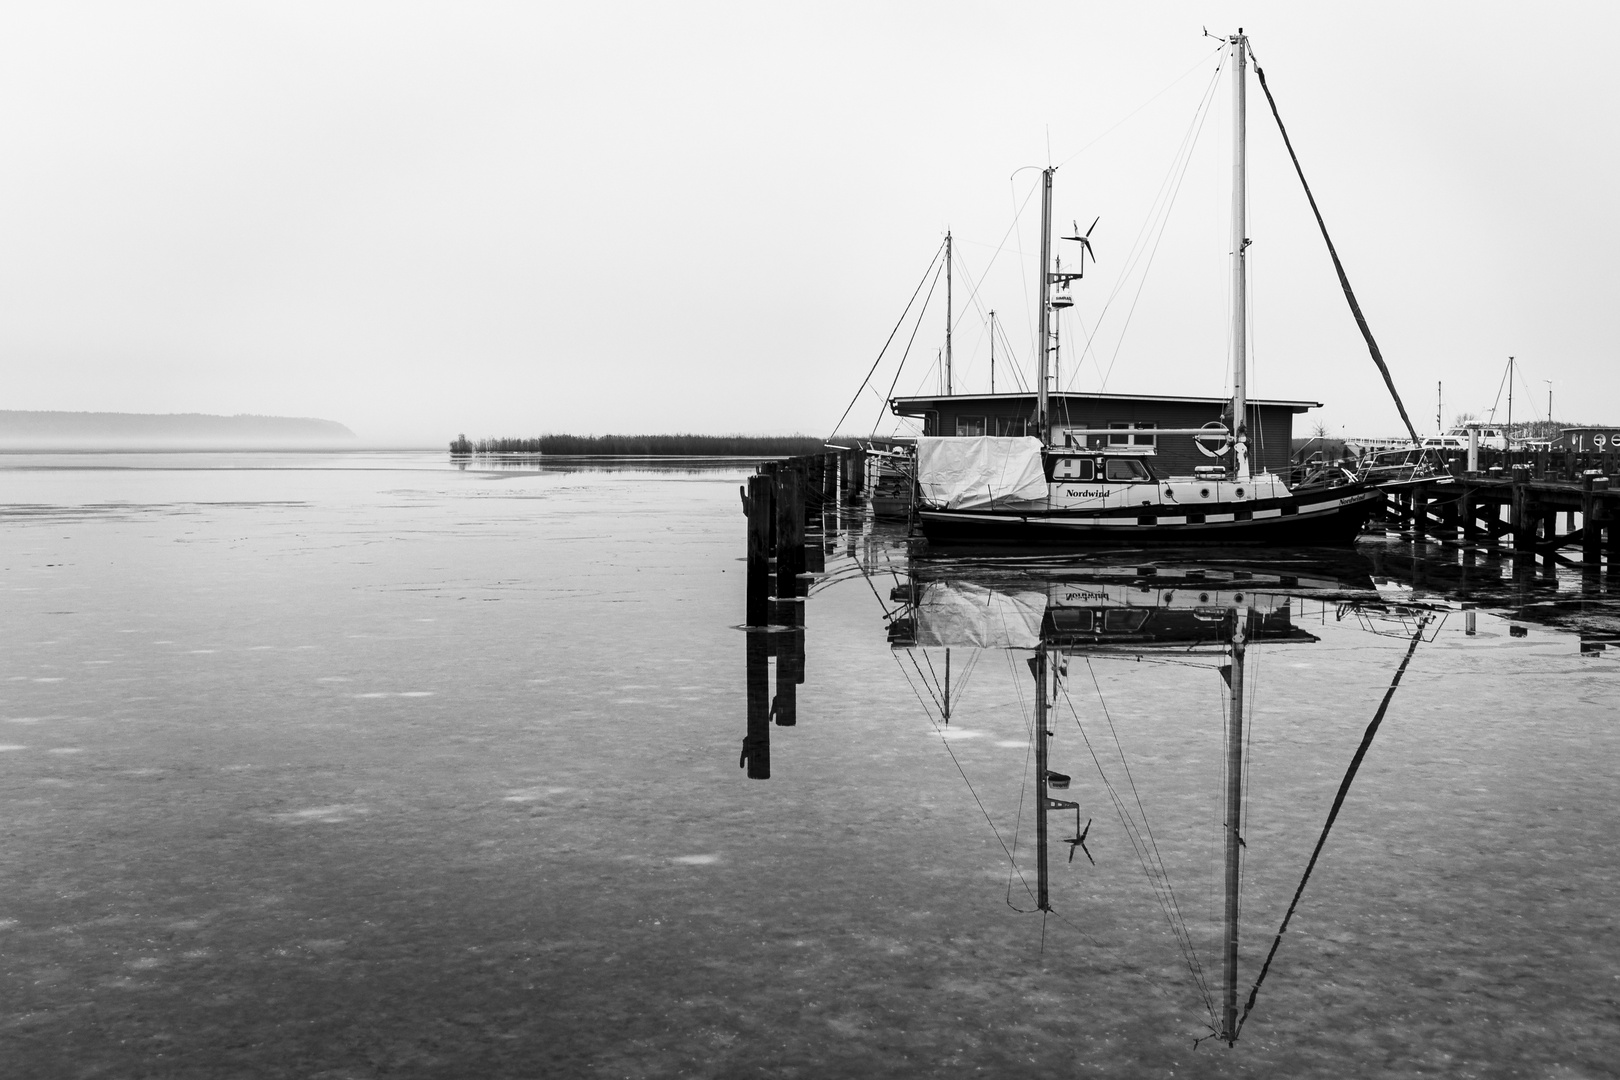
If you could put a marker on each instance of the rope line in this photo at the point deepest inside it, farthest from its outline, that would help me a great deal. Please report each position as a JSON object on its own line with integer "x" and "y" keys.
{"x": 889, "y": 342}
{"x": 1338, "y": 267}
{"x": 1158, "y": 880}
{"x": 911, "y": 341}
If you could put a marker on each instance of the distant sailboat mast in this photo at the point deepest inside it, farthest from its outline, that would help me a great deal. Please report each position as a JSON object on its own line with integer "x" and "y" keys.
{"x": 948, "y": 390}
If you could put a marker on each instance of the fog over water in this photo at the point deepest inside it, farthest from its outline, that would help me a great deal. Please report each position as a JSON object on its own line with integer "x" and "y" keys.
{"x": 363, "y": 765}
{"x": 419, "y": 219}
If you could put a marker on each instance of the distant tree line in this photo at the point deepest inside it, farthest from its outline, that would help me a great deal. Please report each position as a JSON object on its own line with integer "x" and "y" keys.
{"x": 644, "y": 445}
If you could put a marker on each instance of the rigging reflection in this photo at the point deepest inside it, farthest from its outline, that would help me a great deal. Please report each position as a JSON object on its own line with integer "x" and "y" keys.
{"x": 1209, "y": 613}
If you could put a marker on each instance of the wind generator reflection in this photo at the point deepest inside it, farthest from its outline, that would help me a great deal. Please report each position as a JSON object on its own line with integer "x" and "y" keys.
{"x": 1076, "y": 614}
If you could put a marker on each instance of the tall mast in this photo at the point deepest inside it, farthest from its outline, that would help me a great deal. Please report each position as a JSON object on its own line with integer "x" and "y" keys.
{"x": 1234, "y": 808}
{"x": 1043, "y": 339}
{"x": 992, "y": 350}
{"x": 948, "y": 390}
{"x": 1240, "y": 242}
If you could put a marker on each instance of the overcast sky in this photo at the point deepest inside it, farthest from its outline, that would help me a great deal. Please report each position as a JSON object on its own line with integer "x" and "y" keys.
{"x": 425, "y": 219}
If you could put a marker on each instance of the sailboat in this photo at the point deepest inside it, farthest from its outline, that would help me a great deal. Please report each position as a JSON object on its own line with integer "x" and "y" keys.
{"x": 1031, "y": 490}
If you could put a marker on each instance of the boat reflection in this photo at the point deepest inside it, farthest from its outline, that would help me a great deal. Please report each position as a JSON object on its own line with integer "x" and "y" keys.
{"x": 1061, "y": 612}
{"x": 1206, "y": 613}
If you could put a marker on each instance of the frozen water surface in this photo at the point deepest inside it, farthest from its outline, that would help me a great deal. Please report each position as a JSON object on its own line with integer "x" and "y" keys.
{"x": 364, "y": 765}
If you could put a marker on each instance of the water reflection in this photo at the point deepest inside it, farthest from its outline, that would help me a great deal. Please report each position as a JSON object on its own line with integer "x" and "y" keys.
{"x": 1184, "y": 610}
{"x": 1210, "y": 611}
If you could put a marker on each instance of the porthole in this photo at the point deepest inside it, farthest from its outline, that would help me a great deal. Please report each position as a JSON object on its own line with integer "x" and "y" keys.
{"x": 1239, "y": 493}
{"x": 1204, "y": 494}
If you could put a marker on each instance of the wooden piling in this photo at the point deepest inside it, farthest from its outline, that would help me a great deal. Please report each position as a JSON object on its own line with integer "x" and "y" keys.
{"x": 1591, "y": 527}
{"x": 789, "y": 532}
{"x": 761, "y": 509}
{"x": 1522, "y": 521}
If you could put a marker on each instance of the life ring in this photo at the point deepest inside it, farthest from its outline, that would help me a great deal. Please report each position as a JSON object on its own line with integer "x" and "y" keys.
{"x": 1217, "y": 430}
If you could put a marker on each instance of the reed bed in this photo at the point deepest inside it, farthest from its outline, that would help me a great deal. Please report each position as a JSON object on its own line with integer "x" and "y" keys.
{"x": 644, "y": 445}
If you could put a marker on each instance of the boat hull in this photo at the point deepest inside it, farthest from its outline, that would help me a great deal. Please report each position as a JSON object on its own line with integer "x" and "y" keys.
{"x": 1333, "y": 517}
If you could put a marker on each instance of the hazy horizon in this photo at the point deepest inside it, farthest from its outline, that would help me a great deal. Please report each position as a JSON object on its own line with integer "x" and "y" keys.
{"x": 422, "y": 220}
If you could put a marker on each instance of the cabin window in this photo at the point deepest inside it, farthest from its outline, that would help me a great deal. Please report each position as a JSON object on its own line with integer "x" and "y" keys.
{"x": 1012, "y": 425}
{"x": 1124, "y": 434}
{"x": 1071, "y": 620}
{"x": 1072, "y": 468}
{"x": 1128, "y": 620}
{"x": 970, "y": 425}
{"x": 1126, "y": 469}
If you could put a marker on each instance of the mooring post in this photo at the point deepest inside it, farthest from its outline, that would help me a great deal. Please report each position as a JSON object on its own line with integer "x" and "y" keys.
{"x": 1470, "y": 514}
{"x": 1420, "y": 513}
{"x": 761, "y": 508}
{"x": 789, "y": 532}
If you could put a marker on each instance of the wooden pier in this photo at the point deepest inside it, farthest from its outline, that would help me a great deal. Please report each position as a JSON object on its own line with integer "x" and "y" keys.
{"x": 1519, "y": 501}
{"x": 786, "y": 503}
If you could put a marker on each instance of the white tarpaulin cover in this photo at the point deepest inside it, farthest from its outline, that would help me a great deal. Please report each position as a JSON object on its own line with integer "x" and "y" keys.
{"x": 967, "y": 614}
{"x": 968, "y": 473}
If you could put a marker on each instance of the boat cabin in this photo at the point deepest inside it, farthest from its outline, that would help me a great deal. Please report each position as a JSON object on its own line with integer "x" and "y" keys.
{"x": 1129, "y": 419}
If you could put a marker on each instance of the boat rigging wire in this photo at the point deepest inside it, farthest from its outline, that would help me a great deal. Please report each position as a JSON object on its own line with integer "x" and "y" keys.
{"x": 890, "y": 341}
{"x": 1202, "y": 60}
{"x": 1333, "y": 814}
{"x": 1158, "y": 212}
{"x": 1158, "y": 881}
{"x": 902, "y": 365}
{"x": 1012, "y": 862}
{"x": 1338, "y": 267}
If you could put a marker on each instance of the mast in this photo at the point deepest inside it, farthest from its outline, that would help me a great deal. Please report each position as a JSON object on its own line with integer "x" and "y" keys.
{"x": 1510, "y": 400}
{"x": 948, "y": 390}
{"x": 1240, "y": 242}
{"x": 1043, "y": 332}
{"x": 992, "y": 350}
{"x": 1234, "y": 836}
